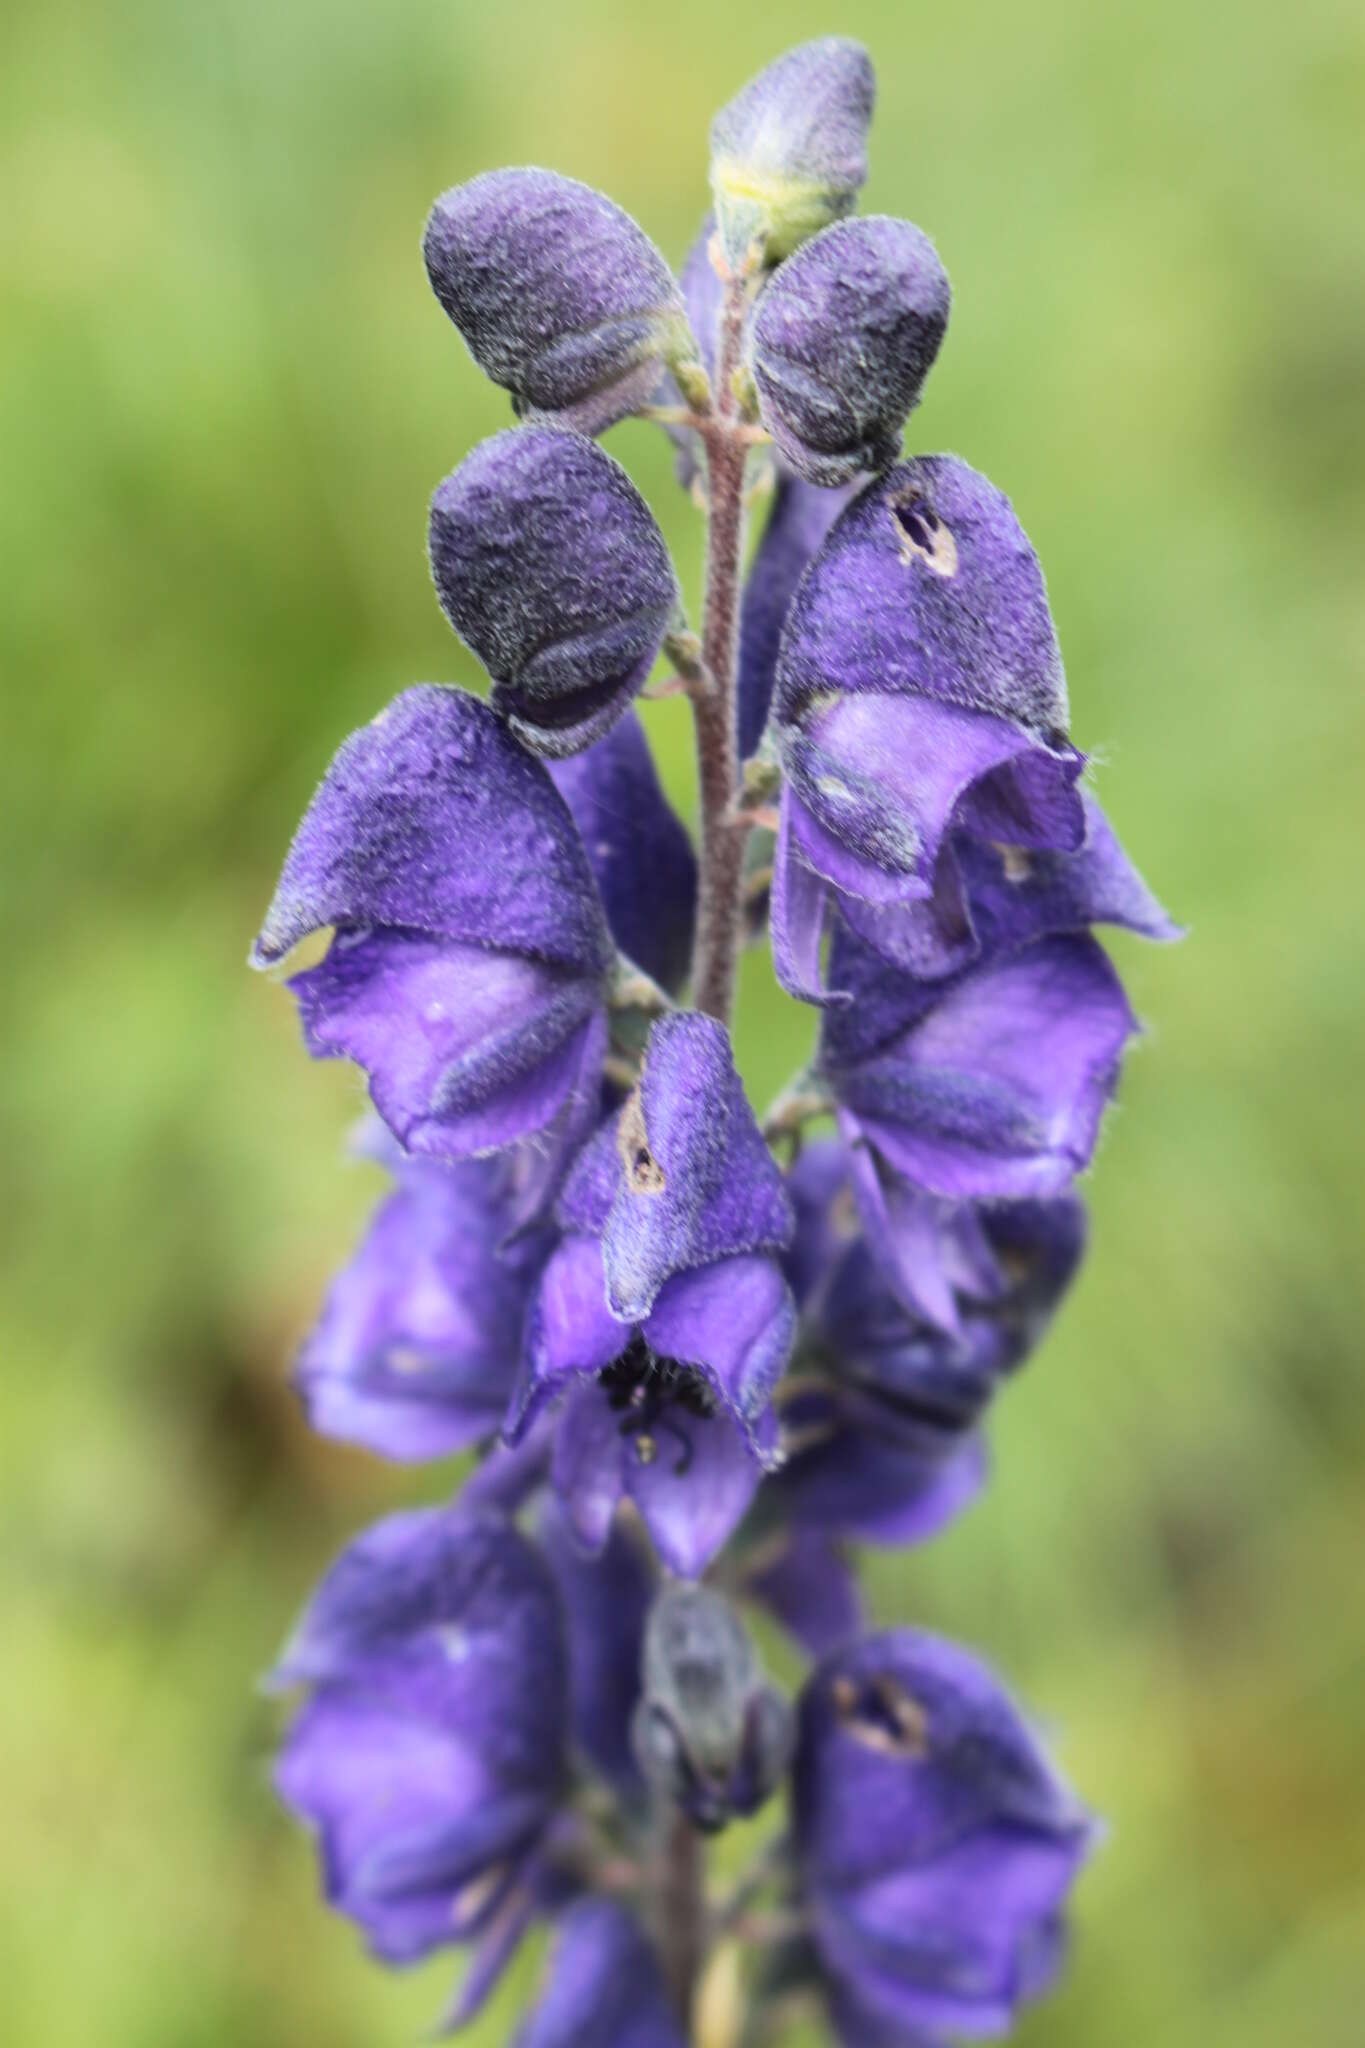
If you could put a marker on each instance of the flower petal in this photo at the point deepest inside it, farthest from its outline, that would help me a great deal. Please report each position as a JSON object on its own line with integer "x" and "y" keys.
{"x": 434, "y": 820}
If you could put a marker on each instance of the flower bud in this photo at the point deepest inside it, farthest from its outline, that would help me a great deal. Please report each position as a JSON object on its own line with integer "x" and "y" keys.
{"x": 558, "y": 294}
{"x": 710, "y": 1733}
{"x": 789, "y": 153}
{"x": 549, "y": 565}
{"x": 841, "y": 343}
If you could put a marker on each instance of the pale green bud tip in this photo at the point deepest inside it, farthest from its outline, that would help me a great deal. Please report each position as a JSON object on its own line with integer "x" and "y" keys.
{"x": 789, "y": 153}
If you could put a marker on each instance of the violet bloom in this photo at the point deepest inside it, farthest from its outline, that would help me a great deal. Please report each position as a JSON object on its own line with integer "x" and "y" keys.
{"x": 549, "y": 564}
{"x": 468, "y": 968}
{"x": 919, "y": 689}
{"x": 638, "y": 849}
{"x": 429, "y": 1755}
{"x": 841, "y": 342}
{"x": 415, "y": 1353}
{"x": 987, "y": 1084}
{"x": 789, "y": 152}
{"x": 884, "y": 1432}
{"x": 604, "y": 1988}
{"x": 559, "y": 295}
{"x": 936, "y": 1843}
{"x": 662, "y": 1318}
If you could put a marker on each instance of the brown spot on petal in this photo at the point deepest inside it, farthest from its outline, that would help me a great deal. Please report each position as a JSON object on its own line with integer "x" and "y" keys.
{"x": 644, "y": 1175}
{"x": 881, "y": 1713}
{"x": 922, "y": 534}
{"x": 1016, "y": 861}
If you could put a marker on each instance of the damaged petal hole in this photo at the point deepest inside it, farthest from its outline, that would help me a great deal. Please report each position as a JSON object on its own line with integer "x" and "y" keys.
{"x": 922, "y": 533}
{"x": 644, "y": 1175}
{"x": 882, "y": 1714}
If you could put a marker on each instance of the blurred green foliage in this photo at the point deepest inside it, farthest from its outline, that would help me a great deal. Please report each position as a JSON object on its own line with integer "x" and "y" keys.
{"x": 225, "y": 396}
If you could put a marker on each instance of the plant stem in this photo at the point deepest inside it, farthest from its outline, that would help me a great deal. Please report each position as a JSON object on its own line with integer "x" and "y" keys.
{"x": 680, "y": 1883}
{"x": 726, "y": 441}
{"x": 680, "y": 1905}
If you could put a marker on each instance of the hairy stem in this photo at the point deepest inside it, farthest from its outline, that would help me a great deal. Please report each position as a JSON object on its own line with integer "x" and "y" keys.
{"x": 726, "y": 440}
{"x": 680, "y": 1905}
{"x": 680, "y": 1885}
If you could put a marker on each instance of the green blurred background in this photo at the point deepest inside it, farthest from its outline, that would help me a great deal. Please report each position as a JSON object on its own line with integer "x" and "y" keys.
{"x": 225, "y": 396}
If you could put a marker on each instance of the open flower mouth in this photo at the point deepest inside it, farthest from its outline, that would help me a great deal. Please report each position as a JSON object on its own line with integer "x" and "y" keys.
{"x": 649, "y": 1393}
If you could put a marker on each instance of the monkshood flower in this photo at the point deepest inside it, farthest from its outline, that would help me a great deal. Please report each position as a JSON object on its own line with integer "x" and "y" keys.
{"x": 604, "y": 1989}
{"x": 883, "y": 1422}
{"x": 429, "y": 1755}
{"x": 662, "y": 1321}
{"x": 468, "y": 968}
{"x": 937, "y": 1844}
{"x": 560, "y": 297}
{"x": 919, "y": 689}
{"x": 550, "y": 566}
{"x": 415, "y": 1353}
{"x": 841, "y": 342}
{"x": 638, "y": 849}
{"x": 984, "y": 1085}
{"x": 712, "y": 1737}
{"x": 789, "y": 152}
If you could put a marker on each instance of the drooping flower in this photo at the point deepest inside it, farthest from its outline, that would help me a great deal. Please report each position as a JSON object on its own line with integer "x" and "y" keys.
{"x": 936, "y": 1843}
{"x": 919, "y": 690}
{"x": 468, "y": 966}
{"x": 416, "y": 1351}
{"x": 605, "y": 1989}
{"x": 841, "y": 342}
{"x": 429, "y": 1754}
{"x": 789, "y": 151}
{"x": 662, "y": 1319}
{"x": 559, "y": 295}
{"x": 638, "y": 849}
{"x": 883, "y": 1428}
{"x": 549, "y": 564}
{"x": 988, "y": 1084}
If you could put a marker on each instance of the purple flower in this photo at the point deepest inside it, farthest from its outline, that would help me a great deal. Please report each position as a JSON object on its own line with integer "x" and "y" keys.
{"x": 841, "y": 343}
{"x": 905, "y": 1337}
{"x": 638, "y": 849}
{"x": 559, "y": 295}
{"x": 919, "y": 690}
{"x": 468, "y": 967}
{"x": 663, "y": 1318}
{"x": 937, "y": 1845}
{"x": 550, "y": 566}
{"x": 429, "y": 1755}
{"x": 987, "y": 1084}
{"x": 800, "y": 518}
{"x": 789, "y": 152}
{"x": 604, "y": 1988}
{"x": 415, "y": 1353}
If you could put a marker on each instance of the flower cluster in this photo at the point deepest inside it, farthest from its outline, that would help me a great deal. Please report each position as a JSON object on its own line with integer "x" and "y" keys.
{"x": 701, "y": 1358}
